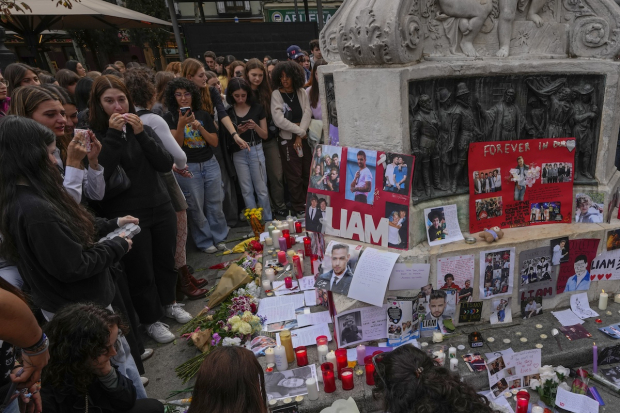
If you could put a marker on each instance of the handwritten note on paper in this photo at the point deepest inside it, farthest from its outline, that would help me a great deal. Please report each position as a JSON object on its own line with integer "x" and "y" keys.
{"x": 307, "y": 283}
{"x": 606, "y": 266}
{"x": 576, "y": 403}
{"x": 409, "y": 276}
{"x": 295, "y": 300}
{"x": 310, "y": 298}
{"x": 313, "y": 319}
{"x": 460, "y": 266}
{"x": 581, "y": 307}
{"x": 371, "y": 276}
{"x": 275, "y": 314}
{"x": 526, "y": 362}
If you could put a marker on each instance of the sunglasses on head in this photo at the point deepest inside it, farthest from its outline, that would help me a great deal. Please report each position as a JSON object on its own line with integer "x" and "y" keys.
{"x": 272, "y": 62}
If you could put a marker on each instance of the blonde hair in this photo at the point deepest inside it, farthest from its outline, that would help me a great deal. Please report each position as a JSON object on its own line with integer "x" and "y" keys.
{"x": 189, "y": 68}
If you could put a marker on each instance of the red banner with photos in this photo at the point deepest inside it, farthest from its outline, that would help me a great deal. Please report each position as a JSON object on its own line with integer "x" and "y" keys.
{"x": 520, "y": 183}
{"x": 360, "y": 194}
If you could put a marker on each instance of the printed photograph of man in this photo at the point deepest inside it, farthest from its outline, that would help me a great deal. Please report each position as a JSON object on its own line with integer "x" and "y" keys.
{"x": 559, "y": 249}
{"x": 581, "y": 280}
{"x": 338, "y": 279}
{"x": 519, "y": 179}
{"x": 350, "y": 328}
{"x": 437, "y": 229}
{"x": 398, "y": 230}
{"x": 487, "y": 180}
{"x": 449, "y": 283}
{"x": 531, "y": 307}
{"x": 588, "y": 210}
{"x": 466, "y": 293}
{"x": 397, "y": 173}
{"x": 313, "y": 213}
{"x": 361, "y": 167}
{"x": 437, "y": 304}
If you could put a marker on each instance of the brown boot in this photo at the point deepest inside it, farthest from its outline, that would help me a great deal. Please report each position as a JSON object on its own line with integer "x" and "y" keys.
{"x": 185, "y": 286}
{"x": 198, "y": 283}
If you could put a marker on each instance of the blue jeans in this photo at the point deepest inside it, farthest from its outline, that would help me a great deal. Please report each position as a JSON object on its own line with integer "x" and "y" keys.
{"x": 519, "y": 193}
{"x": 205, "y": 196}
{"x": 252, "y": 173}
{"x": 11, "y": 275}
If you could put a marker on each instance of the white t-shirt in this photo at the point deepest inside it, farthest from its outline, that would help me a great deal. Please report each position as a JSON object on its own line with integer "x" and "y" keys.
{"x": 365, "y": 176}
{"x": 389, "y": 174}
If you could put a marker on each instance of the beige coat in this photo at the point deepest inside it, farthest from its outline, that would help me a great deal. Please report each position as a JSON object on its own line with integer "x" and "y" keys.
{"x": 288, "y": 129}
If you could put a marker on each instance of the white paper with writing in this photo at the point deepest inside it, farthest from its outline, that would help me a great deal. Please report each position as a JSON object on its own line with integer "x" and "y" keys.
{"x": 296, "y": 300}
{"x": 409, "y": 276}
{"x": 312, "y": 319}
{"x": 448, "y": 228}
{"x": 567, "y": 317}
{"x": 310, "y": 298}
{"x": 280, "y": 289}
{"x": 371, "y": 276}
{"x": 606, "y": 266}
{"x": 361, "y": 324}
{"x": 526, "y": 362}
{"x": 576, "y": 403}
{"x": 307, "y": 336}
{"x": 307, "y": 283}
{"x": 278, "y": 313}
{"x": 460, "y": 266}
{"x": 581, "y": 307}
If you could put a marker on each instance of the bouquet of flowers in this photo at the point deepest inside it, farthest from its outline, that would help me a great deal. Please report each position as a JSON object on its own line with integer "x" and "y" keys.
{"x": 255, "y": 218}
{"x": 550, "y": 379}
{"x": 531, "y": 175}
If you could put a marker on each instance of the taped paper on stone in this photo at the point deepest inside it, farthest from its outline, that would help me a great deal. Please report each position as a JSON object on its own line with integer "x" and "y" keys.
{"x": 496, "y": 272}
{"x": 537, "y": 276}
{"x": 574, "y": 274}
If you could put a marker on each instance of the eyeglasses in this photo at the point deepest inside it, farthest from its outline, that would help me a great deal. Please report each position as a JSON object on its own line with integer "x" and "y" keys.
{"x": 4, "y": 82}
{"x": 183, "y": 95}
{"x": 272, "y": 62}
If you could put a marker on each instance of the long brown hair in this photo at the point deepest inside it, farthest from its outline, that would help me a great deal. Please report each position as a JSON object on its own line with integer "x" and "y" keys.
{"x": 97, "y": 118}
{"x": 26, "y": 100}
{"x": 314, "y": 84}
{"x": 174, "y": 68}
{"x": 189, "y": 68}
{"x": 263, "y": 93}
{"x": 161, "y": 81}
{"x": 230, "y": 380}
{"x": 14, "y": 73}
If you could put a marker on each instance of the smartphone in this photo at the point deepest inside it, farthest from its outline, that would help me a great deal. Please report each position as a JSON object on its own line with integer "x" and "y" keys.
{"x": 86, "y": 135}
{"x": 244, "y": 122}
{"x": 186, "y": 110}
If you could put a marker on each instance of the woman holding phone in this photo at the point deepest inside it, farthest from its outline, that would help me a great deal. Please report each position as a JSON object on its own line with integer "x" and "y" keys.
{"x": 133, "y": 147}
{"x": 194, "y": 131}
{"x": 251, "y": 121}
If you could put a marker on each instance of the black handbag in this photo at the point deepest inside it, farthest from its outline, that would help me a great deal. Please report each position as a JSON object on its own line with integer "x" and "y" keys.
{"x": 118, "y": 183}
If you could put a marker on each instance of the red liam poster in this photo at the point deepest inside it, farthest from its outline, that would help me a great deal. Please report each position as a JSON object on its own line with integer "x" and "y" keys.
{"x": 520, "y": 183}
{"x": 575, "y": 273}
{"x": 360, "y": 194}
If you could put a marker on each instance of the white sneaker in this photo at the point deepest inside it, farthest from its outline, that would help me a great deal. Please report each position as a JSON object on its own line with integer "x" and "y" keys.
{"x": 178, "y": 313}
{"x": 160, "y": 333}
{"x": 221, "y": 246}
{"x": 148, "y": 352}
{"x": 144, "y": 381}
{"x": 212, "y": 249}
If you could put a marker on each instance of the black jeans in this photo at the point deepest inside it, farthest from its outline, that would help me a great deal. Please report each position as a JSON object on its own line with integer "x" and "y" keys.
{"x": 150, "y": 263}
{"x": 361, "y": 198}
{"x": 146, "y": 406}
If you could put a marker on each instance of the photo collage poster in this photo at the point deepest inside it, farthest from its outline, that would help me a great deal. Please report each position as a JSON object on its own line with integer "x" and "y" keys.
{"x": 403, "y": 323}
{"x": 360, "y": 194}
{"x": 520, "y": 183}
{"x": 537, "y": 275}
{"x": 496, "y": 270}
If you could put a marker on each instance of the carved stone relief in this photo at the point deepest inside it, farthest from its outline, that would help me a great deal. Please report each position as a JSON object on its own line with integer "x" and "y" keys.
{"x": 448, "y": 114}
{"x": 372, "y": 32}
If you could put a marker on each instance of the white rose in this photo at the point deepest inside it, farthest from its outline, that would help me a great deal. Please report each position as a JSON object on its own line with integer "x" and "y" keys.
{"x": 545, "y": 370}
{"x": 549, "y": 377}
{"x": 565, "y": 386}
{"x": 245, "y": 329}
{"x": 231, "y": 341}
{"x": 562, "y": 370}
{"x": 534, "y": 384}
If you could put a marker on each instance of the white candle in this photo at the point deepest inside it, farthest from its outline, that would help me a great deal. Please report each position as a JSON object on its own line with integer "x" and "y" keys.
{"x": 270, "y": 356}
{"x": 266, "y": 285}
{"x": 313, "y": 393}
{"x": 602, "y": 300}
{"x": 452, "y": 352}
{"x": 437, "y": 337}
{"x": 291, "y": 225}
{"x": 331, "y": 358}
{"x": 268, "y": 241}
{"x": 454, "y": 364}
{"x": 270, "y": 274}
{"x": 323, "y": 350}
{"x": 617, "y": 298}
{"x": 280, "y": 356}
{"x": 276, "y": 234}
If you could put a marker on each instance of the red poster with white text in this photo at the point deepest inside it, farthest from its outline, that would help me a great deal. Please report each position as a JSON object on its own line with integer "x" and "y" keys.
{"x": 520, "y": 183}
{"x": 360, "y": 194}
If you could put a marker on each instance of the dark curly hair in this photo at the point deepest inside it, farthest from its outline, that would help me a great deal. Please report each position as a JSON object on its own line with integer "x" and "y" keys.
{"x": 292, "y": 70}
{"x": 409, "y": 381}
{"x": 78, "y": 333}
{"x": 141, "y": 85}
{"x": 182, "y": 83}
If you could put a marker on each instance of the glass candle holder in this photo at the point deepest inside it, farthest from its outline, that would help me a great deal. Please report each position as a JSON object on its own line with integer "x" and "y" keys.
{"x": 307, "y": 247}
{"x": 346, "y": 375}
{"x": 329, "y": 381}
{"x": 370, "y": 371}
{"x": 523, "y": 401}
{"x": 302, "y": 356}
{"x": 341, "y": 360}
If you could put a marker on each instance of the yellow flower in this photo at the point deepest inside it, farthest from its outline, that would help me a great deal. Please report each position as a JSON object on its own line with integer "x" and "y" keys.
{"x": 234, "y": 319}
{"x": 245, "y": 328}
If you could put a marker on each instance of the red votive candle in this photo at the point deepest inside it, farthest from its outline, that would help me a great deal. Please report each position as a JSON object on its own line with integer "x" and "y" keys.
{"x": 523, "y": 401}
{"x": 290, "y": 241}
{"x": 298, "y": 227}
{"x": 286, "y": 232}
{"x": 329, "y": 381}
{"x": 341, "y": 360}
{"x": 282, "y": 258}
{"x": 302, "y": 356}
{"x": 308, "y": 247}
{"x": 298, "y": 268}
{"x": 347, "y": 378}
{"x": 288, "y": 282}
{"x": 287, "y": 238}
{"x": 370, "y": 371}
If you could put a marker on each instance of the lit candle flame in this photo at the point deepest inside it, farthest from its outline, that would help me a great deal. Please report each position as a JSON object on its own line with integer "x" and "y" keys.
{"x": 603, "y": 291}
